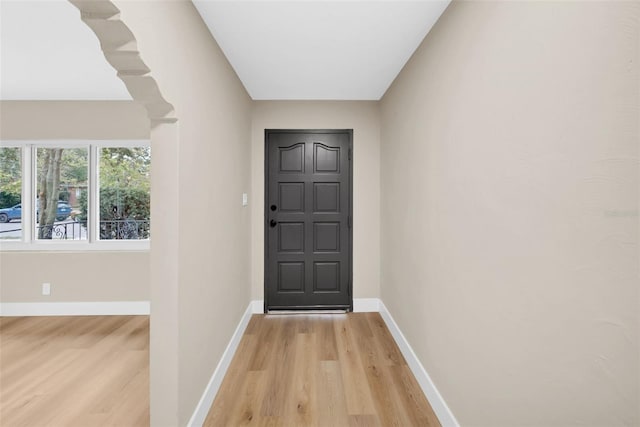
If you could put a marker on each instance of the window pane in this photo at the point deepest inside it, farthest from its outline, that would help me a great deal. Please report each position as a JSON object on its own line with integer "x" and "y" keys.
{"x": 61, "y": 193}
{"x": 10, "y": 193}
{"x": 124, "y": 193}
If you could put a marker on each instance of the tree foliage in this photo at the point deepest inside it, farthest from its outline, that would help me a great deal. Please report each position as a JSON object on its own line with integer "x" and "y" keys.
{"x": 124, "y": 183}
{"x": 9, "y": 199}
{"x": 124, "y": 189}
{"x": 119, "y": 203}
{"x": 125, "y": 167}
{"x": 10, "y": 176}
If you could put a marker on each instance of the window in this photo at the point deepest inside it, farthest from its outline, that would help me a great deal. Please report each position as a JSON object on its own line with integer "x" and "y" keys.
{"x": 66, "y": 195}
{"x": 124, "y": 193}
{"x": 60, "y": 173}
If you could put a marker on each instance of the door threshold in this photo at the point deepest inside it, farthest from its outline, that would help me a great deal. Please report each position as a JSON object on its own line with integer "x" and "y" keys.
{"x": 307, "y": 312}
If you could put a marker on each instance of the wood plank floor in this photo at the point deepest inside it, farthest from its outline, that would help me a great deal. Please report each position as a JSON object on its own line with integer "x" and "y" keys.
{"x": 296, "y": 370}
{"x": 74, "y": 371}
{"x": 319, "y": 370}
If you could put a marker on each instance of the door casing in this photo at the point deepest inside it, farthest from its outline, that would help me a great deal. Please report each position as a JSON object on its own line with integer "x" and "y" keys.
{"x": 265, "y": 225}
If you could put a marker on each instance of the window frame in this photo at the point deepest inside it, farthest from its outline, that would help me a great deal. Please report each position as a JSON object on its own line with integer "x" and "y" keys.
{"x": 29, "y": 241}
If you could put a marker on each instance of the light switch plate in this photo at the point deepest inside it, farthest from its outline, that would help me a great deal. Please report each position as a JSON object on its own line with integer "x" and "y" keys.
{"x": 245, "y": 199}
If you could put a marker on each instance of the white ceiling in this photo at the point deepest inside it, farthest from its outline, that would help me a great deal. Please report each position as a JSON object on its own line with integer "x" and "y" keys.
{"x": 319, "y": 49}
{"x": 47, "y": 52}
{"x": 280, "y": 49}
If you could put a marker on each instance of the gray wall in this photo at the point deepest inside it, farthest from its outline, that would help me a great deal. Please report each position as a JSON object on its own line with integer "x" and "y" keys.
{"x": 201, "y": 166}
{"x": 364, "y": 119}
{"x": 508, "y": 184}
{"x": 73, "y": 274}
{"x": 510, "y": 211}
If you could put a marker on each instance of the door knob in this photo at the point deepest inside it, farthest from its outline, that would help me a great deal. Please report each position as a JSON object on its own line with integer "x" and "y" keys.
{"x": 273, "y": 223}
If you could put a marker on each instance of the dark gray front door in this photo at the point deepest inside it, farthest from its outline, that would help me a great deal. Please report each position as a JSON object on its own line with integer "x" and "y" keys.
{"x": 308, "y": 219}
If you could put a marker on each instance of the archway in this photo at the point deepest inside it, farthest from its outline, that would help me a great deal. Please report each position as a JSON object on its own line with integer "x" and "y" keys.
{"x": 120, "y": 48}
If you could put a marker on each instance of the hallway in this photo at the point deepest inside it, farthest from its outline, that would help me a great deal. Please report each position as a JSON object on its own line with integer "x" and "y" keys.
{"x": 289, "y": 370}
{"x": 319, "y": 370}
{"x": 494, "y": 213}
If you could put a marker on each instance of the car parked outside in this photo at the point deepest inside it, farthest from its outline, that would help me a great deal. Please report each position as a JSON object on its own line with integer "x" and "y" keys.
{"x": 15, "y": 212}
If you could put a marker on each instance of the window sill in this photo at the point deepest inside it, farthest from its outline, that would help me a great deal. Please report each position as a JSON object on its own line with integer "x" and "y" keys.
{"x": 72, "y": 246}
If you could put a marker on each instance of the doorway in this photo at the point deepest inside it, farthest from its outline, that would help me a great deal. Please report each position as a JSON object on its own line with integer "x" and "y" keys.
{"x": 308, "y": 219}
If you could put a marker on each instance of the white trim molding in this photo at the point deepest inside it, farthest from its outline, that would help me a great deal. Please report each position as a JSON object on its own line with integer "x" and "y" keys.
{"x": 257, "y": 306}
{"x": 440, "y": 407}
{"x": 442, "y": 411}
{"x": 110, "y": 308}
{"x": 27, "y": 240}
{"x": 364, "y": 305}
{"x": 202, "y": 409}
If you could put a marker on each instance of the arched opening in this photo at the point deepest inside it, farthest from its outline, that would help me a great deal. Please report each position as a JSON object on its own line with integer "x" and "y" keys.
{"x": 120, "y": 49}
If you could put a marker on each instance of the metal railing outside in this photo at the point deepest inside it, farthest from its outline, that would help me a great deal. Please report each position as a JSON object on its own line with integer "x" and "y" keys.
{"x": 114, "y": 229}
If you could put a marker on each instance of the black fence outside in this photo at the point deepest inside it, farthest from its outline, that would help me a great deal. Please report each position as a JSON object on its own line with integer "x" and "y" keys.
{"x": 124, "y": 229}
{"x": 116, "y": 229}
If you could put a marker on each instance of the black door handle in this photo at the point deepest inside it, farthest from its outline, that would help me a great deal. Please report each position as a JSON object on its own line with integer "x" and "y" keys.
{"x": 273, "y": 223}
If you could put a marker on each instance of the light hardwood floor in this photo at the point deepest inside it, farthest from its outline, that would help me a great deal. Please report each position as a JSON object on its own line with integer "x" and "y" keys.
{"x": 74, "y": 371}
{"x": 297, "y": 370}
{"x": 319, "y": 370}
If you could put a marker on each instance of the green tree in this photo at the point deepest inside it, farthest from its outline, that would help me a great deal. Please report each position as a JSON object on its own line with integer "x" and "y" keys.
{"x": 10, "y": 176}
{"x": 125, "y": 167}
{"x": 49, "y": 188}
{"x": 124, "y": 191}
{"x": 73, "y": 171}
{"x": 58, "y": 169}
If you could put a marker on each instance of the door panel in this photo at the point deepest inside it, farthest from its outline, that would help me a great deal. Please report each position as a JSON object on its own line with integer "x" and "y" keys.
{"x": 326, "y": 197}
{"x": 308, "y": 234}
{"x": 291, "y": 196}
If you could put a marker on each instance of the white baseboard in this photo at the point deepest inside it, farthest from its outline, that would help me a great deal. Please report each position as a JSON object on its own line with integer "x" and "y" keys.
{"x": 257, "y": 306}
{"x": 110, "y": 308}
{"x": 364, "y": 305}
{"x": 442, "y": 411}
{"x": 202, "y": 409}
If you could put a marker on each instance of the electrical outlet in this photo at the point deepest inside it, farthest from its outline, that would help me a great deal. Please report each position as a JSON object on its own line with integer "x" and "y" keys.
{"x": 46, "y": 289}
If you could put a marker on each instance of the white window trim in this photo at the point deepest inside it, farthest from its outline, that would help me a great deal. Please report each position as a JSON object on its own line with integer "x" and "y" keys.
{"x": 93, "y": 243}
